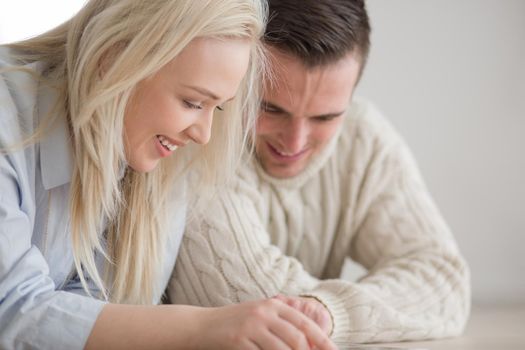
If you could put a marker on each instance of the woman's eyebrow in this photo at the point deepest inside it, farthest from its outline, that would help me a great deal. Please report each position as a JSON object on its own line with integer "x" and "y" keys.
{"x": 203, "y": 91}
{"x": 206, "y": 92}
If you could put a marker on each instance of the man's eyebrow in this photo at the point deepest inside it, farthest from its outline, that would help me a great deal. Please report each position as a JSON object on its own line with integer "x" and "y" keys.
{"x": 279, "y": 109}
{"x": 329, "y": 115}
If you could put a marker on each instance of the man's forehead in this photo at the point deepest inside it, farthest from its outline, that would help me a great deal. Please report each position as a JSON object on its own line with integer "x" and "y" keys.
{"x": 290, "y": 80}
{"x": 279, "y": 56}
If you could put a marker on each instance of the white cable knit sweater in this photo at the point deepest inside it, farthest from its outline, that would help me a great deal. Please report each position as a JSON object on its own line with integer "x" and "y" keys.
{"x": 363, "y": 198}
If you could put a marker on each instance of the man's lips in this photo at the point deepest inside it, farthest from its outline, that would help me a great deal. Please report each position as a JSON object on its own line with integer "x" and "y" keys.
{"x": 283, "y": 156}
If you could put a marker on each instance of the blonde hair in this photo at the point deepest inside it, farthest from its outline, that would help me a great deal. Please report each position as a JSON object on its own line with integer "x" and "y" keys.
{"x": 137, "y": 38}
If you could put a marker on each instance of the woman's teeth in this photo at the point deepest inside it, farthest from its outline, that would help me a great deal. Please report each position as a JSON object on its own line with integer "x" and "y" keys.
{"x": 164, "y": 142}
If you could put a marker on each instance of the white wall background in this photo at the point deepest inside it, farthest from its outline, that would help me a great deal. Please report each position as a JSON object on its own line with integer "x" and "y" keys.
{"x": 451, "y": 76}
{"x": 21, "y": 19}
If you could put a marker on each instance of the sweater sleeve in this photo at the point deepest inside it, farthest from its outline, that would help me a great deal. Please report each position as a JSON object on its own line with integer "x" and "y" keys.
{"x": 226, "y": 256}
{"x": 417, "y": 284}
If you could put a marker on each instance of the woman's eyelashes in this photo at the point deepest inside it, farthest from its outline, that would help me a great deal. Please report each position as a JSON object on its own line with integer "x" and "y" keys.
{"x": 193, "y": 105}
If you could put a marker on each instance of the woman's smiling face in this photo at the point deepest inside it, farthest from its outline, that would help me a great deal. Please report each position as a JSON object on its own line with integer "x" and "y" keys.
{"x": 176, "y": 105}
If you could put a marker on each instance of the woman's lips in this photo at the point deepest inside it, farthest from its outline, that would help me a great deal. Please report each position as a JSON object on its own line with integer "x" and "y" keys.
{"x": 166, "y": 146}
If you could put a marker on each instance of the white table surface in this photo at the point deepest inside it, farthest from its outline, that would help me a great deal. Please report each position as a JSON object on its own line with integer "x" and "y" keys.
{"x": 489, "y": 328}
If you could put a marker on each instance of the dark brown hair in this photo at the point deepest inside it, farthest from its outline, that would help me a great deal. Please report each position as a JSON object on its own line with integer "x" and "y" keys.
{"x": 319, "y": 32}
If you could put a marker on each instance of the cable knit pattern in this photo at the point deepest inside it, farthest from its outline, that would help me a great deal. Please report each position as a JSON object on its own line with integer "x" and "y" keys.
{"x": 362, "y": 198}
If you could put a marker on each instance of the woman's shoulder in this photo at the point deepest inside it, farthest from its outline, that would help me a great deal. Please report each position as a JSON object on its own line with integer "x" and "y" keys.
{"x": 18, "y": 97}
{"x": 6, "y": 56}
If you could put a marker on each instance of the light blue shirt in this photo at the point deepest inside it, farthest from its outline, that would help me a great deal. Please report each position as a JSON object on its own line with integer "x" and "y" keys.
{"x": 40, "y": 306}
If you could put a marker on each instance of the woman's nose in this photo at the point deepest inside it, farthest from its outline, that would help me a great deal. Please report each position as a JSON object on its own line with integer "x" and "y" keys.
{"x": 200, "y": 131}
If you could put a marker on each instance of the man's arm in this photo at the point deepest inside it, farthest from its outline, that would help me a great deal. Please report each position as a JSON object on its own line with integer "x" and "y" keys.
{"x": 416, "y": 274}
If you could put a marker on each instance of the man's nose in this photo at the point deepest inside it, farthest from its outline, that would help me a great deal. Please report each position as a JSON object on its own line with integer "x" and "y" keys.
{"x": 200, "y": 131}
{"x": 295, "y": 136}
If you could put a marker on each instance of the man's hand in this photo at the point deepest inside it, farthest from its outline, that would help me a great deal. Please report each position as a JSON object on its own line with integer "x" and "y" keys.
{"x": 312, "y": 308}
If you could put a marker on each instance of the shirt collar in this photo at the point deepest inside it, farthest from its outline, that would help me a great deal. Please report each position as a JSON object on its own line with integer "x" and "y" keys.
{"x": 56, "y": 158}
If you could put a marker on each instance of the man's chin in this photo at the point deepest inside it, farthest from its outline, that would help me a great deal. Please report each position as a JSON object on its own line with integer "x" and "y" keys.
{"x": 283, "y": 171}
{"x": 278, "y": 169}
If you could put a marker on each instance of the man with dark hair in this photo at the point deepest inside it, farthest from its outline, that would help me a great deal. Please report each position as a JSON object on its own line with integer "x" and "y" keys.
{"x": 330, "y": 179}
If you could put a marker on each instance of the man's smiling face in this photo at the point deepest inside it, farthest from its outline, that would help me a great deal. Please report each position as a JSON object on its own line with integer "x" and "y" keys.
{"x": 302, "y": 110}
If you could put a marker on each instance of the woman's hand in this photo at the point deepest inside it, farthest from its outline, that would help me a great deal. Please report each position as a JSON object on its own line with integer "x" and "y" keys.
{"x": 312, "y": 308}
{"x": 265, "y": 324}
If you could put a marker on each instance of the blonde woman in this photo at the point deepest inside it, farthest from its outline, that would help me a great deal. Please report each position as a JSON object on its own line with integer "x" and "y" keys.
{"x": 101, "y": 123}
